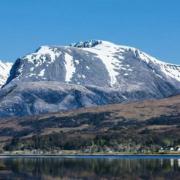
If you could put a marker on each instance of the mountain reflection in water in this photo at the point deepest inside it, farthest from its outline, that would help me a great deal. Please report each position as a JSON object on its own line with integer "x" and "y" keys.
{"x": 89, "y": 168}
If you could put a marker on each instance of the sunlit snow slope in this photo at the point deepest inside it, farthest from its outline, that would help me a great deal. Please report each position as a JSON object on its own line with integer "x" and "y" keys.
{"x": 4, "y": 71}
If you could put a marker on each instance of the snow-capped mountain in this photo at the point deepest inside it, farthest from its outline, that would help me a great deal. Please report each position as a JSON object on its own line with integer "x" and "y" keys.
{"x": 4, "y": 71}
{"x": 98, "y": 63}
{"x": 85, "y": 74}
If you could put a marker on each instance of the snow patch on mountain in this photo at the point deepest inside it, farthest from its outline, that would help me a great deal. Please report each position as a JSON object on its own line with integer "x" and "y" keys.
{"x": 106, "y": 52}
{"x": 4, "y": 71}
{"x": 170, "y": 70}
{"x": 42, "y": 54}
{"x": 69, "y": 66}
{"x": 42, "y": 72}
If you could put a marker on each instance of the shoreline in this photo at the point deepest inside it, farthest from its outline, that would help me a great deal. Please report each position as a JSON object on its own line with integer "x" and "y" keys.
{"x": 91, "y": 155}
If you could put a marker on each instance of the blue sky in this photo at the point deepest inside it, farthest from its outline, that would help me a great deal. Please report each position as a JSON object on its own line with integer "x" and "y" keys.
{"x": 151, "y": 25}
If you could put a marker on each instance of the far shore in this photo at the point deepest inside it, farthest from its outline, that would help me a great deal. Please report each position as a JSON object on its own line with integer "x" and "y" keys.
{"x": 89, "y": 155}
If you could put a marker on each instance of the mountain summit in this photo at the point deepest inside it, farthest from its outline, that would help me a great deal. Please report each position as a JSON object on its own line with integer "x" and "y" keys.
{"x": 84, "y": 74}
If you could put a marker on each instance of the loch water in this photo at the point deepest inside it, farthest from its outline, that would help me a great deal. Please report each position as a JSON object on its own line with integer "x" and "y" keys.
{"x": 90, "y": 167}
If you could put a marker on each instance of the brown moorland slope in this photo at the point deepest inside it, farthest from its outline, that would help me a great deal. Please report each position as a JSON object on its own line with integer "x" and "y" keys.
{"x": 119, "y": 126}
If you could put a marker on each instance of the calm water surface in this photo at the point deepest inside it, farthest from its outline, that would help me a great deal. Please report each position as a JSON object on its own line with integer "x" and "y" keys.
{"x": 88, "y": 167}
